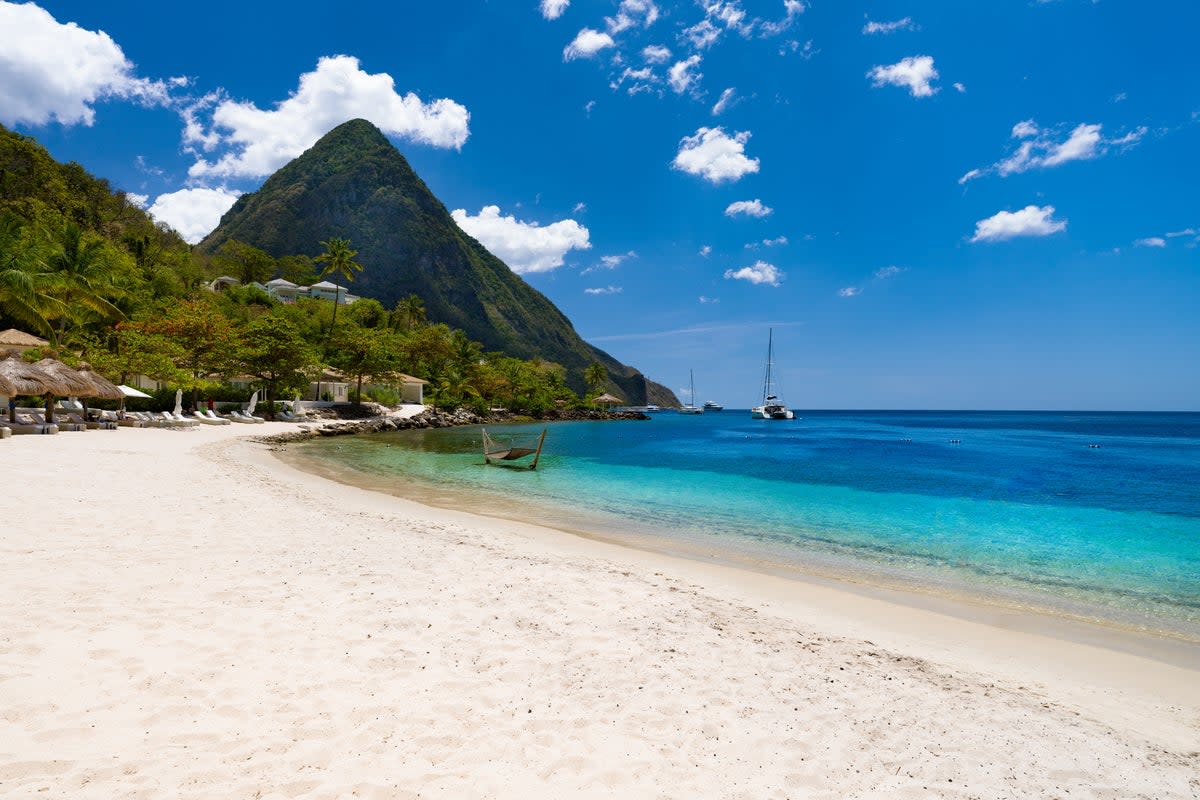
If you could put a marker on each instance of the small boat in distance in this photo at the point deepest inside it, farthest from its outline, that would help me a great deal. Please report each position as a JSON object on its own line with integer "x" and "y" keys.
{"x": 713, "y": 406}
{"x": 515, "y": 452}
{"x": 691, "y": 407}
{"x": 772, "y": 407}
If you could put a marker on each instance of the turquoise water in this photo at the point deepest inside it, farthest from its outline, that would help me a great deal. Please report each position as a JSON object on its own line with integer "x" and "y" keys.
{"x": 1019, "y": 507}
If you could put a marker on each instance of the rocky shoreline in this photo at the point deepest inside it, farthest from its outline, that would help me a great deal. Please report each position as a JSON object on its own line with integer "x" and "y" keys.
{"x": 383, "y": 421}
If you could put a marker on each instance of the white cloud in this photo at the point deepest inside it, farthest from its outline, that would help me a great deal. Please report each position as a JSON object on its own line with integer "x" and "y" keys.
{"x": 337, "y": 91}
{"x": 958, "y": 87}
{"x": 1151, "y": 241}
{"x": 778, "y": 241}
{"x": 725, "y": 101}
{"x": 702, "y": 35}
{"x": 1024, "y": 129}
{"x": 524, "y": 246}
{"x": 193, "y": 212}
{"x": 579, "y": 208}
{"x": 1184, "y": 232}
{"x": 630, "y": 13}
{"x": 883, "y": 273}
{"x": 610, "y": 262}
{"x": 1039, "y": 150}
{"x": 905, "y": 24}
{"x": 714, "y": 155}
{"x": 759, "y": 273}
{"x": 51, "y": 71}
{"x": 914, "y": 72}
{"x": 1029, "y": 221}
{"x": 656, "y": 54}
{"x": 553, "y": 9}
{"x": 792, "y": 9}
{"x": 749, "y": 208}
{"x": 1080, "y": 145}
{"x": 706, "y": 251}
{"x": 682, "y": 76}
{"x": 604, "y": 290}
{"x": 639, "y": 80}
{"x": 849, "y": 291}
{"x": 139, "y": 200}
{"x": 706, "y": 301}
{"x": 586, "y": 44}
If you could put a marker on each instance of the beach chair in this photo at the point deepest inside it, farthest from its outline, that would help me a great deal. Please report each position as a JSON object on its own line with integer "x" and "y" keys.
{"x": 26, "y": 424}
{"x": 61, "y": 424}
{"x": 178, "y": 423}
{"x": 244, "y": 417}
{"x": 92, "y": 425}
{"x": 239, "y": 417}
{"x": 212, "y": 415}
{"x": 202, "y": 418}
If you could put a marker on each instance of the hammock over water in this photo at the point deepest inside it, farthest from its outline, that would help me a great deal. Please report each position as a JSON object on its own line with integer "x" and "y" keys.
{"x": 514, "y": 450}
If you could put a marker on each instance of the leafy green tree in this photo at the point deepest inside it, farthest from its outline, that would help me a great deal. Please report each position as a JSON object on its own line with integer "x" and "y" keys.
{"x": 274, "y": 352}
{"x": 203, "y": 338}
{"x": 130, "y": 351}
{"x": 338, "y": 258}
{"x": 360, "y": 352}
{"x": 245, "y": 262}
{"x": 367, "y": 312}
{"x": 300, "y": 270}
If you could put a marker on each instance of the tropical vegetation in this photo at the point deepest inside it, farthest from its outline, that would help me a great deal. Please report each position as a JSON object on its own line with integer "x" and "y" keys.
{"x": 87, "y": 269}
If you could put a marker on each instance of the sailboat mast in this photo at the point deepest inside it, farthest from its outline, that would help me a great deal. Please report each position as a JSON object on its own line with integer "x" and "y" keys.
{"x": 770, "y": 358}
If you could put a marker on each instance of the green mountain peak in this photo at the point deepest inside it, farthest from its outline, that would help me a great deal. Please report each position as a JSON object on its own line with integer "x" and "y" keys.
{"x": 354, "y": 184}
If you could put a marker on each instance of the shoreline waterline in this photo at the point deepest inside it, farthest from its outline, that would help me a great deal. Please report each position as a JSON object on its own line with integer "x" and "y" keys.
{"x": 1077, "y": 623}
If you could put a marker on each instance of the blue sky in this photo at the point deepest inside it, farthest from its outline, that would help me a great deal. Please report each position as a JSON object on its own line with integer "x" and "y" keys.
{"x": 934, "y": 204}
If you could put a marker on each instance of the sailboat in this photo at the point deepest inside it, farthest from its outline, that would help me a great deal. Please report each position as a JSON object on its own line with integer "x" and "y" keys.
{"x": 691, "y": 407}
{"x": 772, "y": 407}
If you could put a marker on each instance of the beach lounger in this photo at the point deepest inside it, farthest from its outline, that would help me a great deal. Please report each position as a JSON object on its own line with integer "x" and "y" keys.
{"x": 237, "y": 416}
{"x": 212, "y": 415}
{"x": 202, "y": 418}
{"x": 177, "y": 423}
{"x": 93, "y": 425}
{"x": 61, "y": 424}
{"x": 242, "y": 416}
{"x": 26, "y": 424}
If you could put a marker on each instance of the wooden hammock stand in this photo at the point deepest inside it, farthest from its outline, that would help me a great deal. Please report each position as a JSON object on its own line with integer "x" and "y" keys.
{"x": 507, "y": 455}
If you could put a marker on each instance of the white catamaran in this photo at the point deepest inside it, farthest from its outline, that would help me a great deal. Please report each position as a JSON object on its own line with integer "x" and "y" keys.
{"x": 772, "y": 407}
{"x": 691, "y": 407}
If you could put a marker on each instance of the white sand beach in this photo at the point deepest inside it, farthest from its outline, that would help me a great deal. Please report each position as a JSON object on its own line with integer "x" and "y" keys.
{"x": 186, "y": 616}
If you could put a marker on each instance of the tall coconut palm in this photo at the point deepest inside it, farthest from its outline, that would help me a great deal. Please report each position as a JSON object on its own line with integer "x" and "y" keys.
{"x": 339, "y": 261}
{"x": 79, "y": 275}
{"x": 22, "y": 295}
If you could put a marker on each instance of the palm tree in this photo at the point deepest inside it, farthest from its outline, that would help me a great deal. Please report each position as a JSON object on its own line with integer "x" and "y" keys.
{"x": 595, "y": 376}
{"x": 78, "y": 274}
{"x": 22, "y": 297}
{"x": 339, "y": 259}
{"x": 409, "y": 312}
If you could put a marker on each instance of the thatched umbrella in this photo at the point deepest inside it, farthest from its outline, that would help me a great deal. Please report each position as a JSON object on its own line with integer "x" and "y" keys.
{"x": 20, "y": 339}
{"x": 19, "y": 377}
{"x": 102, "y": 387}
{"x": 607, "y": 400}
{"x": 75, "y": 384}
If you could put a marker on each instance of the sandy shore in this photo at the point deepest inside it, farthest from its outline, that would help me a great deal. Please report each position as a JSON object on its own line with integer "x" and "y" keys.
{"x": 186, "y": 616}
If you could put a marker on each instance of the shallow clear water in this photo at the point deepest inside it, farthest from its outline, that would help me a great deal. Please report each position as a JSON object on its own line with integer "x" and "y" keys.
{"x": 1020, "y": 508}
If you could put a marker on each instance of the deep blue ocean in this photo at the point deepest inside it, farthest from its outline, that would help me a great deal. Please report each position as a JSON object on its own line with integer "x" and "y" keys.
{"x": 1095, "y": 515}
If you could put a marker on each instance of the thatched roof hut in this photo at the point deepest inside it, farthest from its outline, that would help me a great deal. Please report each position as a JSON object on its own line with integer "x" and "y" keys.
{"x": 19, "y": 377}
{"x": 77, "y": 385}
{"x": 102, "y": 387}
{"x": 20, "y": 340}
